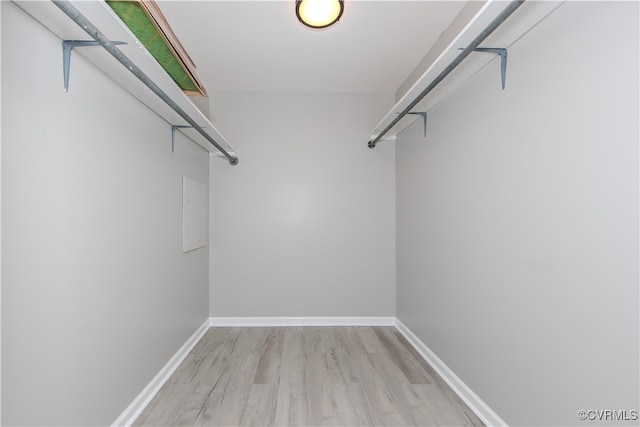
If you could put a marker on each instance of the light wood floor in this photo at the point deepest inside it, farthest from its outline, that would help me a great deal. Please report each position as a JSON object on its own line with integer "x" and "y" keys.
{"x": 311, "y": 376}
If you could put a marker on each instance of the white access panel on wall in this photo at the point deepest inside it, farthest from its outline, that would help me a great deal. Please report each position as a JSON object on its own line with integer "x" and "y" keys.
{"x": 195, "y": 218}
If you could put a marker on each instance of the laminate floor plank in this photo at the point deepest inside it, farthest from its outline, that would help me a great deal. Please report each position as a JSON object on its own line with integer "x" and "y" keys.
{"x": 261, "y": 406}
{"x": 355, "y": 409}
{"x": 400, "y": 356}
{"x": 323, "y": 404}
{"x": 305, "y": 376}
{"x": 292, "y": 368}
{"x": 268, "y": 370}
{"x": 370, "y": 340}
{"x": 232, "y": 397}
{"x": 292, "y": 408}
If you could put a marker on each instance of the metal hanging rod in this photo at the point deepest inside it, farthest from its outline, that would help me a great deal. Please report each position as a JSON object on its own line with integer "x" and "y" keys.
{"x": 108, "y": 45}
{"x": 466, "y": 52}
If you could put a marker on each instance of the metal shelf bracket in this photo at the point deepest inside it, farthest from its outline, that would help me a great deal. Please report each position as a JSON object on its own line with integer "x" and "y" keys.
{"x": 423, "y": 114}
{"x": 173, "y": 135}
{"x": 67, "y": 46}
{"x": 424, "y": 120}
{"x": 503, "y": 59}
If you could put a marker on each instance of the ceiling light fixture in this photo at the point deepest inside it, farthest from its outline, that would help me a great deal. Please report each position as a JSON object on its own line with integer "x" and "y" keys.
{"x": 319, "y": 13}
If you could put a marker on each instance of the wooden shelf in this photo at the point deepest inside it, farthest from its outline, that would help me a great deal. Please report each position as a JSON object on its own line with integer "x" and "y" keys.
{"x": 103, "y": 17}
{"x": 522, "y": 20}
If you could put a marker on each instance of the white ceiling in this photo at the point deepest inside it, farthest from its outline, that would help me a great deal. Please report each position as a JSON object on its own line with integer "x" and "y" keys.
{"x": 260, "y": 45}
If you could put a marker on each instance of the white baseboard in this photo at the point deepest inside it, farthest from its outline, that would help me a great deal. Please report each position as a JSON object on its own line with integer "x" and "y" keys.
{"x": 477, "y": 405}
{"x": 141, "y": 401}
{"x": 301, "y": 321}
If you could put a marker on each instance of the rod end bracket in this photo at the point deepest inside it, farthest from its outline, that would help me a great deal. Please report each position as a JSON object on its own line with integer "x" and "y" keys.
{"x": 371, "y": 144}
{"x": 233, "y": 161}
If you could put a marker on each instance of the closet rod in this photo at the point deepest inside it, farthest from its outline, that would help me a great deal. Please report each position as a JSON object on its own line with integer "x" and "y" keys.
{"x": 91, "y": 29}
{"x": 466, "y": 52}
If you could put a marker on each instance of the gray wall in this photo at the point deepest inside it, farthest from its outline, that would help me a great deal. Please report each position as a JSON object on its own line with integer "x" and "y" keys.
{"x": 96, "y": 292}
{"x": 517, "y": 222}
{"x": 305, "y": 224}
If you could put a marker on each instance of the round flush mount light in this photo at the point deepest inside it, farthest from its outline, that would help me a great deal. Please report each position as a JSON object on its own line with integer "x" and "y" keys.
{"x": 319, "y": 13}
